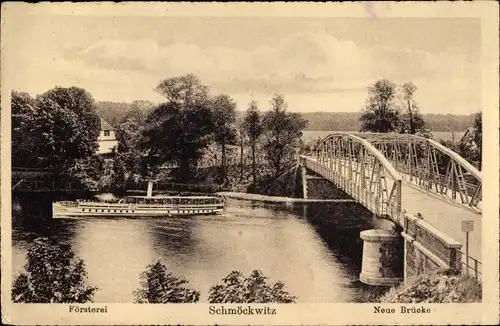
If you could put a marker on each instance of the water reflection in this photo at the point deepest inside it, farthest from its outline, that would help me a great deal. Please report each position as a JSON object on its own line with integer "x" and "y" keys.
{"x": 314, "y": 249}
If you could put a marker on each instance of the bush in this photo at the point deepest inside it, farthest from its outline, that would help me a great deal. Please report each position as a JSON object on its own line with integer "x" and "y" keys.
{"x": 53, "y": 275}
{"x": 439, "y": 287}
{"x": 235, "y": 288}
{"x": 158, "y": 286}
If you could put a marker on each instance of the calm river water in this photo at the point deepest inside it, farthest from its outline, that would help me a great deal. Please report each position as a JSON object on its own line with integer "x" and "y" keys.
{"x": 314, "y": 249}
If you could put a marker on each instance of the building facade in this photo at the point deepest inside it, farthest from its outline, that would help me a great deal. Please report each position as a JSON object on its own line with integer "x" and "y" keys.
{"x": 107, "y": 139}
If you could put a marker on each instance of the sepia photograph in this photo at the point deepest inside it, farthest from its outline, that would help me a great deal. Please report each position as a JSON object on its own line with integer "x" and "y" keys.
{"x": 248, "y": 164}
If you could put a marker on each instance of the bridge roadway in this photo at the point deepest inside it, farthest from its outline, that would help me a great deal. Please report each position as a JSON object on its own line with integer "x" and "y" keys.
{"x": 440, "y": 212}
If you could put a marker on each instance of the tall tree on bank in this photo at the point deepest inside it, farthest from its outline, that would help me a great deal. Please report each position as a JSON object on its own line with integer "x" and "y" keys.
{"x": 411, "y": 121}
{"x": 380, "y": 114}
{"x": 252, "y": 126}
{"x": 178, "y": 131}
{"x": 224, "y": 117}
{"x": 62, "y": 125}
{"x": 23, "y": 111}
{"x": 282, "y": 131}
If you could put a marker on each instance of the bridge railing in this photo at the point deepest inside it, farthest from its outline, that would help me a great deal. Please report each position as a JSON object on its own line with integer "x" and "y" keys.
{"x": 432, "y": 167}
{"x": 472, "y": 266}
{"x": 22, "y": 169}
{"x": 162, "y": 186}
{"x": 358, "y": 168}
{"x": 20, "y": 185}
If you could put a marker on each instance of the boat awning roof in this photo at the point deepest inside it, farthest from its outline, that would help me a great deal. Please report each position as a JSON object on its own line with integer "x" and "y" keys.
{"x": 174, "y": 197}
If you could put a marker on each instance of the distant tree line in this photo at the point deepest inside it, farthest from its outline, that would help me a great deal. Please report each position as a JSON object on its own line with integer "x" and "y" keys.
{"x": 114, "y": 112}
{"x": 53, "y": 274}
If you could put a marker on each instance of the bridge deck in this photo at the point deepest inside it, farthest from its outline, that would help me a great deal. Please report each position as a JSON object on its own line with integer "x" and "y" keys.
{"x": 444, "y": 215}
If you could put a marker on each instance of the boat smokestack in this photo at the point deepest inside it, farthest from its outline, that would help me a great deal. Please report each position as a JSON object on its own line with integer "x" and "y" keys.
{"x": 150, "y": 189}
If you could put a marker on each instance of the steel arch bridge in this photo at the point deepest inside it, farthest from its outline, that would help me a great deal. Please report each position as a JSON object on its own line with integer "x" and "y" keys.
{"x": 375, "y": 168}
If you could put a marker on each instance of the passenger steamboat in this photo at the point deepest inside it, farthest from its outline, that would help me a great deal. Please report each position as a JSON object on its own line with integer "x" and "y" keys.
{"x": 142, "y": 206}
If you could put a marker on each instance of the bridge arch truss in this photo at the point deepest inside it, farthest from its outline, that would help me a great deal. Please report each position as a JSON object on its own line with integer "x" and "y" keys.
{"x": 358, "y": 168}
{"x": 432, "y": 167}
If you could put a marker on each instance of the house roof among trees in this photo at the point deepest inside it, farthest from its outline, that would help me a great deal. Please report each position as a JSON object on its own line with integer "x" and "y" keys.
{"x": 105, "y": 125}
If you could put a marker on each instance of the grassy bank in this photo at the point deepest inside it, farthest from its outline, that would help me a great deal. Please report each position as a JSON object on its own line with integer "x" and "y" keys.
{"x": 278, "y": 199}
{"x": 439, "y": 287}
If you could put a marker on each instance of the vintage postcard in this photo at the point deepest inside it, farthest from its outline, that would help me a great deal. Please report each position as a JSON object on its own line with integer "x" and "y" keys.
{"x": 250, "y": 163}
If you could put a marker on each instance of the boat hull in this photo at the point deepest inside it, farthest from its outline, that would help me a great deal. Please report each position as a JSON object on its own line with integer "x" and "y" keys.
{"x": 110, "y": 210}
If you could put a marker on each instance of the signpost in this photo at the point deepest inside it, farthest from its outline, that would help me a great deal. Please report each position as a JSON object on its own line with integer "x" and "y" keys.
{"x": 467, "y": 226}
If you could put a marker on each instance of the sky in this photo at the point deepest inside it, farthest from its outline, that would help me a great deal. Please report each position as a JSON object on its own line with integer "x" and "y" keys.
{"x": 318, "y": 64}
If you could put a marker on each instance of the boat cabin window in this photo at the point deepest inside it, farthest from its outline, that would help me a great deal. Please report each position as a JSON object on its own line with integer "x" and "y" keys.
{"x": 172, "y": 201}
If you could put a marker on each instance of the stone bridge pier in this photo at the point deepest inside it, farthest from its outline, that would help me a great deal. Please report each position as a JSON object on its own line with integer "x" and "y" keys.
{"x": 390, "y": 257}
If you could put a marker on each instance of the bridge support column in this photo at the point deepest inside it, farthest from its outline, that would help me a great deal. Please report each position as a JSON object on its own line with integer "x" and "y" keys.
{"x": 150, "y": 189}
{"x": 304, "y": 181}
{"x": 381, "y": 258}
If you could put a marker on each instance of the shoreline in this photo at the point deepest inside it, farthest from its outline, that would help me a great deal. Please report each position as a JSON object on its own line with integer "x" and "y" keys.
{"x": 278, "y": 199}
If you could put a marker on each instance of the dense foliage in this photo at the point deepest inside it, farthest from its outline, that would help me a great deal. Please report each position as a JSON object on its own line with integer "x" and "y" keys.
{"x": 160, "y": 286}
{"x": 23, "y": 109}
{"x": 52, "y": 275}
{"x": 470, "y": 146}
{"x": 236, "y": 288}
{"x": 56, "y": 129}
{"x": 68, "y": 125}
{"x": 439, "y": 287}
{"x": 478, "y": 138}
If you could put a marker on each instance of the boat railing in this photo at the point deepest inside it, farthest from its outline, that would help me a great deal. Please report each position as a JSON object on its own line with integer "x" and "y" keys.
{"x": 68, "y": 203}
{"x": 87, "y": 203}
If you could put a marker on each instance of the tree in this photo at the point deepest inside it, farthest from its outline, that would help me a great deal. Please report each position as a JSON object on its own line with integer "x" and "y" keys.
{"x": 174, "y": 134}
{"x": 224, "y": 117}
{"x": 411, "y": 121}
{"x": 380, "y": 114}
{"x": 282, "y": 131}
{"x": 67, "y": 126}
{"x": 52, "y": 275}
{"x": 23, "y": 111}
{"x": 159, "y": 286}
{"x": 236, "y": 288}
{"x": 178, "y": 131}
{"x": 253, "y": 128}
{"x": 185, "y": 90}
